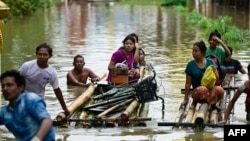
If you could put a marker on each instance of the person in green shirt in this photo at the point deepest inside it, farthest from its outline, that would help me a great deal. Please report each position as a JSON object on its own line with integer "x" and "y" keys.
{"x": 142, "y": 57}
{"x": 217, "y": 47}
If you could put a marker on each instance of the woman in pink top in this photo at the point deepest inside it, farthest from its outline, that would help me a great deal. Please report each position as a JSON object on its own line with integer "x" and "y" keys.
{"x": 126, "y": 56}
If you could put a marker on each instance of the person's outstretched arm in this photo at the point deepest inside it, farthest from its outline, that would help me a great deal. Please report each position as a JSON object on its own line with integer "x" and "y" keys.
{"x": 230, "y": 106}
{"x": 187, "y": 91}
{"x": 59, "y": 96}
{"x": 71, "y": 80}
{"x": 43, "y": 130}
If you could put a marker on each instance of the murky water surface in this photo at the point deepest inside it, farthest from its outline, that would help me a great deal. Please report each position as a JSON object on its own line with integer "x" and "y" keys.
{"x": 96, "y": 31}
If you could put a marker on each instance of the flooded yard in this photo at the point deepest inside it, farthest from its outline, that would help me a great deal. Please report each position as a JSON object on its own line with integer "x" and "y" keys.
{"x": 96, "y": 31}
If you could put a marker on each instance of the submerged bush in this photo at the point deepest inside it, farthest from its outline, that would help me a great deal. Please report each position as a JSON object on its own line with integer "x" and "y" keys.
{"x": 174, "y": 2}
{"x": 231, "y": 35}
{"x": 26, "y": 7}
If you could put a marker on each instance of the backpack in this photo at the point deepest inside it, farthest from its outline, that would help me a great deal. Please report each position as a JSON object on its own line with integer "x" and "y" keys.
{"x": 221, "y": 69}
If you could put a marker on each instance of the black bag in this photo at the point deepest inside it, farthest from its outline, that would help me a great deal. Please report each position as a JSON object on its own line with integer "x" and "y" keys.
{"x": 146, "y": 90}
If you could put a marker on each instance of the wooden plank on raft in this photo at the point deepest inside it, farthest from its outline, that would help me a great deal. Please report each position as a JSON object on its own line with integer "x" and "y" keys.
{"x": 179, "y": 118}
{"x": 78, "y": 102}
{"x": 113, "y": 108}
{"x": 83, "y": 116}
{"x": 203, "y": 115}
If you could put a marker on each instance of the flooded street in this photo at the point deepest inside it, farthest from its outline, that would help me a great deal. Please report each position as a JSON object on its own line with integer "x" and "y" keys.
{"x": 96, "y": 31}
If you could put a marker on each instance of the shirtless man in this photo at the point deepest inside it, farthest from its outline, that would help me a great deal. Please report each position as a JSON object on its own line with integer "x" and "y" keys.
{"x": 79, "y": 74}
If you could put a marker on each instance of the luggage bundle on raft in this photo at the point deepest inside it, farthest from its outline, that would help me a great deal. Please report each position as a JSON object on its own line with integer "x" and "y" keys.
{"x": 204, "y": 114}
{"x": 113, "y": 105}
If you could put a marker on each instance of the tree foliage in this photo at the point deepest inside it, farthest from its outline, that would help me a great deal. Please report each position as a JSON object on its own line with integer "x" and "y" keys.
{"x": 233, "y": 36}
{"x": 25, "y": 7}
{"x": 174, "y": 2}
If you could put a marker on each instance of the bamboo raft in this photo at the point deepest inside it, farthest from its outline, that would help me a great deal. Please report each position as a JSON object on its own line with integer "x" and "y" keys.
{"x": 203, "y": 114}
{"x": 113, "y": 105}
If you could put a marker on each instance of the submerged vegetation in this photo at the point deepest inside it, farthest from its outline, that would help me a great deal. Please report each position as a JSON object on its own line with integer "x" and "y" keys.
{"x": 174, "y": 2}
{"x": 232, "y": 35}
{"x": 26, "y": 7}
{"x": 141, "y": 2}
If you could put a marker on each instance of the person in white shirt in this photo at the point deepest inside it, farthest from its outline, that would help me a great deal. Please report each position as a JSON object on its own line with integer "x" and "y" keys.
{"x": 38, "y": 73}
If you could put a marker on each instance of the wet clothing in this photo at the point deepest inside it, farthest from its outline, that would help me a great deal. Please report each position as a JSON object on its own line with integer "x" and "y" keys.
{"x": 24, "y": 119}
{"x": 196, "y": 72}
{"x": 136, "y": 65}
{"x": 233, "y": 66}
{"x": 37, "y": 78}
{"x": 219, "y": 52}
{"x": 144, "y": 63}
{"x": 242, "y": 88}
{"x": 120, "y": 57}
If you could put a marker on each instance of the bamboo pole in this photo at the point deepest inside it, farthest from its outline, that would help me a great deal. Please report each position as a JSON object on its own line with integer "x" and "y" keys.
{"x": 146, "y": 73}
{"x": 143, "y": 112}
{"x": 83, "y": 115}
{"x": 112, "y": 120}
{"x": 190, "y": 115}
{"x": 139, "y": 109}
{"x": 142, "y": 73}
{"x": 213, "y": 117}
{"x": 89, "y": 123}
{"x": 142, "y": 108}
{"x": 103, "y": 76}
{"x": 125, "y": 115}
{"x": 194, "y": 117}
{"x": 113, "y": 108}
{"x": 207, "y": 117}
{"x": 201, "y": 114}
{"x": 78, "y": 102}
{"x": 179, "y": 118}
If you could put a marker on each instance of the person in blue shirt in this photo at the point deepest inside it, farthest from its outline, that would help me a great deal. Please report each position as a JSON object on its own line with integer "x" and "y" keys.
{"x": 194, "y": 72}
{"x": 25, "y": 115}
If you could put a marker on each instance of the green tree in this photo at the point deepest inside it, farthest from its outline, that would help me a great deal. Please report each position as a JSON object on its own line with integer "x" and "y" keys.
{"x": 174, "y": 3}
{"x": 26, "y": 7}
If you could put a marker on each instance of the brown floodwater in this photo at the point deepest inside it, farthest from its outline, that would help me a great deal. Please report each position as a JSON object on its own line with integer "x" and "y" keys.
{"x": 96, "y": 31}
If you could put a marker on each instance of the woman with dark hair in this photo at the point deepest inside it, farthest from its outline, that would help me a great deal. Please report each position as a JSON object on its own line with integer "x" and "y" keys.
{"x": 194, "y": 72}
{"x": 124, "y": 56}
{"x": 136, "y": 48}
{"x": 142, "y": 57}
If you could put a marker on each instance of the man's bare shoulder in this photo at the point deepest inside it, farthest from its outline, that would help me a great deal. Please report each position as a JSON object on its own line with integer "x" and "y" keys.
{"x": 70, "y": 71}
{"x": 87, "y": 70}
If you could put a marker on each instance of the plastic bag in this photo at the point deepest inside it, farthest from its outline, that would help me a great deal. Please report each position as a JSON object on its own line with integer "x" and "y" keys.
{"x": 209, "y": 77}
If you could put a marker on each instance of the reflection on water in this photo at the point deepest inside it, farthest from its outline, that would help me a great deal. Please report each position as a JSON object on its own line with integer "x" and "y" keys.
{"x": 96, "y": 31}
